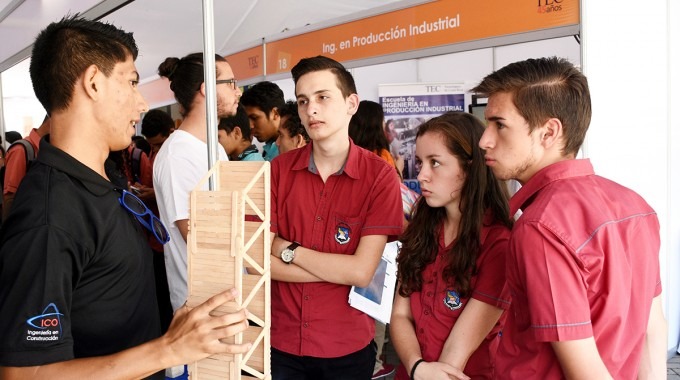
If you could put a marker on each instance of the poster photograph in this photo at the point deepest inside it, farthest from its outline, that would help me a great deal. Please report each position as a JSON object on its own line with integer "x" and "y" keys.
{"x": 407, "y": 106}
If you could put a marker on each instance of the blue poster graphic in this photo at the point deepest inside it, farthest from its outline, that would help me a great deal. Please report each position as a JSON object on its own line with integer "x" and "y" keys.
{"x": 403, "y": 116}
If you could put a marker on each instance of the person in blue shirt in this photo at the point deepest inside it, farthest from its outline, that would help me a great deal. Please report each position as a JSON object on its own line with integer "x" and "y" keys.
{"x": 233, "y": 133}
{"x": 263, "y": 102}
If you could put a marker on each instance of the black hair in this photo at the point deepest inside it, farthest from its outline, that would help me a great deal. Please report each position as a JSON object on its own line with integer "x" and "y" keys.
{"x": 366, "y": 127}
{"x": 264, "y": 95}
{"x": 293, "y": 124}
{"x": 186, "y": 77}
{"x": 12, "y": 136}
{"x": 65, "y": 49}
{"x": 344, "y": 79}
{"x": 240, "y": 120}
{"x": 141, "y": 143}
{"x": 157, "y": 122}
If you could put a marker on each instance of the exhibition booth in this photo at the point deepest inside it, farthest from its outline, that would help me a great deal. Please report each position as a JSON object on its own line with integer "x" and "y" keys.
{"x": 420, "y": 58}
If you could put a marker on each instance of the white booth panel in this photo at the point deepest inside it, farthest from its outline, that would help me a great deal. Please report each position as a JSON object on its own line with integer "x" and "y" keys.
{"x": 287, "y": 86}
{"x": 467, "y": 66}
{"x": 631, "y": 139}
{"x": 368, "y": 78}
{"x": 564, "y": 47}
{"x": 673, "y": 260}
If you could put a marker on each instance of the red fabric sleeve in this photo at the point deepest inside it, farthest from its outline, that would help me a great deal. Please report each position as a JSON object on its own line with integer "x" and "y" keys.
{"x": 554, "y": 285}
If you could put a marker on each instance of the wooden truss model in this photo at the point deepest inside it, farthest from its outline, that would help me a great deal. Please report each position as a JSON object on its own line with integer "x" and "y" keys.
{"x": 229, "y": 234}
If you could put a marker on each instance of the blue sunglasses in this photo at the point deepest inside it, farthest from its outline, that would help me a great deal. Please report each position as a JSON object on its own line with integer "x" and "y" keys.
{"x": 135, "y": 206}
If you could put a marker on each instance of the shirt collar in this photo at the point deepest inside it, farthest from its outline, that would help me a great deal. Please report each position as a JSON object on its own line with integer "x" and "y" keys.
{"x": 549, "y": 174}
{"x": 305, "y": 160}
{"x": 62, "y": 161}
{"x": 250, "y": 150}
{"x": 34, "y": 137}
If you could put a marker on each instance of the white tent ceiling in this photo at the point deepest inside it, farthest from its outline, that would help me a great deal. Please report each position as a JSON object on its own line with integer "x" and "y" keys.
{"x": 165, "y": 28}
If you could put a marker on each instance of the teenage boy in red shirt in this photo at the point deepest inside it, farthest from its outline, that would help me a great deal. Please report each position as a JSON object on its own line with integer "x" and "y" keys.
{"x": 334, "y": 207}
{"x": 583, "y": 268}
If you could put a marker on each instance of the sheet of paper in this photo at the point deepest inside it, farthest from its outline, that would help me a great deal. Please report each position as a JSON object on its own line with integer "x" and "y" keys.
{"x": 376, "y": 299}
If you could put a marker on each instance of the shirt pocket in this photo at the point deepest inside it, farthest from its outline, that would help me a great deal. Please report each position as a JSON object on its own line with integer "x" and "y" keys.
{"x": 343, "y": 234}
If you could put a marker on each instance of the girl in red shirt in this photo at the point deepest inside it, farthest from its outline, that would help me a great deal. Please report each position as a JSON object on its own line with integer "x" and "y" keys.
{"x": 448, "y": 313}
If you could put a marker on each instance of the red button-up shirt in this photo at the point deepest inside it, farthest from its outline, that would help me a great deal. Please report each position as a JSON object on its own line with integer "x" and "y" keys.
{"x": 363, "y": 198}
{"x": 436, "y": 307}
{"x": 15, "y": 163}
{"x": 584, "y": 262}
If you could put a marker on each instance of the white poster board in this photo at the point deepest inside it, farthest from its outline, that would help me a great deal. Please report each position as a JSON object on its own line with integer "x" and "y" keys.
{"x": 376, "y": 299}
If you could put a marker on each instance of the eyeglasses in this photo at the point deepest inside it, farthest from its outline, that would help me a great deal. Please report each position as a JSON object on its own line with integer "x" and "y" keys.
{"x": 231, "y": 81}
{"x": 135, "y": 206}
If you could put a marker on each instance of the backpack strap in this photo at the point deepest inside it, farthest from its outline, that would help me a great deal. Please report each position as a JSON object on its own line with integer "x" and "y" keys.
{"x": 28, "y": 149}
{"x": 136, "y": 163}
{"x": 30, "y": 157}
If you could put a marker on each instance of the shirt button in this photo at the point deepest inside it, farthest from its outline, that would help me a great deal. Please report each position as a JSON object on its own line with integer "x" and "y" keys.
{"x": 306, "y": 298}
{"x": 426, "y": 312}
{"x": 429, "y": 294}
{"x": 318, "y": 218}
{"x": 305, "y": 324}
{"x": 314, "y": 247}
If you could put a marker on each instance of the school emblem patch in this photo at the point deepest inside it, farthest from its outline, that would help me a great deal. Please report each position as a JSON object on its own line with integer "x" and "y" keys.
{"x": 452, "y": 300}
{"x": 342, "y": 234}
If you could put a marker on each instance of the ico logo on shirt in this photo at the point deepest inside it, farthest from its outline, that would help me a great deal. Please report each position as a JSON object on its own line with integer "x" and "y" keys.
{"x": 45, "y": 326}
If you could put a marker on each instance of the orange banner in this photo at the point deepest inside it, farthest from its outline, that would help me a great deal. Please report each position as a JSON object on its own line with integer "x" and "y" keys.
{"x": 422, "y": 26}
{"x": 247, "y": 64}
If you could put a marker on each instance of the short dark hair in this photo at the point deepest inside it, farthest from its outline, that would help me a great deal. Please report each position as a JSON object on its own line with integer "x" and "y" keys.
{"x": 265, "y": 95}
{"x": 366, "y": 127}
{"x": 141, "y": 143}
{"x": 240, "y": 120}
{"x": 65, "y": 49}
{"x": 544, "y": 88}
{"x": 293, "y": 124}
{"x": 344, "y": 79}
{"x": 186, "y": 77}
{"x": 157, "y": 122}
{"x": 12, "y": 136}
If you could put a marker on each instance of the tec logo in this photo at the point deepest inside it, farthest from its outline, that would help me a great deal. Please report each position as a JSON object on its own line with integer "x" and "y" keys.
{"x": 48, "y": 324}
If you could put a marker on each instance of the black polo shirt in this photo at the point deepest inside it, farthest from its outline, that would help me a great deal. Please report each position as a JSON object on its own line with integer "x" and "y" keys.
{"x": 76, "y": 271}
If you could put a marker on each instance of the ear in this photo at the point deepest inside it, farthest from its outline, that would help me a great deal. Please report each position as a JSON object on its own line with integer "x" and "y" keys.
{"x": 238, "y": 133}
{"x": 300, "y": 141}
{"x": 353, "y": 103}
{"x": 202, "y": 90}
{"x": 551, "y": 133}
{"x": 274, "y": 114}
{"x": 91, "y": 85}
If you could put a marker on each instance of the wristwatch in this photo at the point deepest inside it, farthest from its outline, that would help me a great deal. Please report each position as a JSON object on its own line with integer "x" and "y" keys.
{"x": 288, "y": 253}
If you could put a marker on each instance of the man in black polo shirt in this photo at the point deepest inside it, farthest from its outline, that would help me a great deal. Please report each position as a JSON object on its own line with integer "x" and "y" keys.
{"x": 77, "y": 296}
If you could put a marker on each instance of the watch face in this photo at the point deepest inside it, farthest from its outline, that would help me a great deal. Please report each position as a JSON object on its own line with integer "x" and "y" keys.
{"x": 287, "y": 255}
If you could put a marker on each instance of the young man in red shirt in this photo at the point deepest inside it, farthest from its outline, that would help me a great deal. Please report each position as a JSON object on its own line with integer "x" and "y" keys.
{"x": 16, "y": 165}
{"x": 334, "y": 207}
{"x": 583, "y": 268}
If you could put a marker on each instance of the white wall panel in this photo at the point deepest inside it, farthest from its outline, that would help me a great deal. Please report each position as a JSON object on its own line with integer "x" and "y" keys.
{"x": 369, "y": 77}
{"x": 469, "y": 66}
{"x": 564, "y": 47}
{"x": 627, "y": 58}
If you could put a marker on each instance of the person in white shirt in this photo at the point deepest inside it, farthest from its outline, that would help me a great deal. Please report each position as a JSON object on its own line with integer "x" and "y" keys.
{"x": 182, "y": 160}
